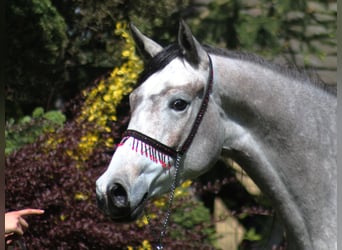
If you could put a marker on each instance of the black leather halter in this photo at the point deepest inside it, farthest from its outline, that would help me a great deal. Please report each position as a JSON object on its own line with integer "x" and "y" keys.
{"x": 156, "y": 148}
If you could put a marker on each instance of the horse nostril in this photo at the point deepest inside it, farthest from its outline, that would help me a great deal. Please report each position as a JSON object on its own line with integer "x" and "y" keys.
{"x": 118, "y": 196}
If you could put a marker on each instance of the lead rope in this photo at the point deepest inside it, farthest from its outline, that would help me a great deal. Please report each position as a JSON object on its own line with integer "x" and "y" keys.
{"x": 162, "y": 234}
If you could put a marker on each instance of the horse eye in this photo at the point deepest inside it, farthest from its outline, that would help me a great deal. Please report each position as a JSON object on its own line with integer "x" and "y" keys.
{"x": 179, "y": 105}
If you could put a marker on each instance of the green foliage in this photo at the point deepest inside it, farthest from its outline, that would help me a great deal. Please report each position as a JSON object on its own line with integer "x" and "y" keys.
{"x": 92, "y": 41}
{"x": 261, "y": 30}
{"x": 29, "y": 128}
{"x": 44, "y": 36}
{"x": 252, "y": 235}
{"x": 193, "y": 216}
{"x": 38, "y": 38}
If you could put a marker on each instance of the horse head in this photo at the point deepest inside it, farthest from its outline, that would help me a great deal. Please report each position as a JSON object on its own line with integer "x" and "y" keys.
{"x": 173, "y": 112}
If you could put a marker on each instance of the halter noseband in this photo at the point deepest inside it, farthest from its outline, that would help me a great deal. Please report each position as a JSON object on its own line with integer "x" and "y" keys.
{"x": 153, "y": 148}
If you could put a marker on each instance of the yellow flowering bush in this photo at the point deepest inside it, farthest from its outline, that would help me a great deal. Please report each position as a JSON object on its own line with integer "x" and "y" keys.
{"x": 101, "y": 101}
{"x": 100, "y": 105}
{"x": 146, "y": 245}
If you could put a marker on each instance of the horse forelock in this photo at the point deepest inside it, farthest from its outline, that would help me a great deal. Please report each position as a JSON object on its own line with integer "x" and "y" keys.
{"x": 159, "y": 61}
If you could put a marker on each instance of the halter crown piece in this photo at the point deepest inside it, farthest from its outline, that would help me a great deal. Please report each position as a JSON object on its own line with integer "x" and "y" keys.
{"x": 163, "y": 154}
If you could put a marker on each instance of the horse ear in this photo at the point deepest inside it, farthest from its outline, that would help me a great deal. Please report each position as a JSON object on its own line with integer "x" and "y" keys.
{"x": 146, "y": 46}
{"x": 191, "y": 48}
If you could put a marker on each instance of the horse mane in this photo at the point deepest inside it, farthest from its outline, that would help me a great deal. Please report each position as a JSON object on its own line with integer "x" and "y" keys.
{"x": 291, "y": 71}
{"x": 173, "y": 51}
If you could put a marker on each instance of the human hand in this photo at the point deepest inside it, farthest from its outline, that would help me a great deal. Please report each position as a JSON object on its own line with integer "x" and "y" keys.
{"x": 15, "y": 224}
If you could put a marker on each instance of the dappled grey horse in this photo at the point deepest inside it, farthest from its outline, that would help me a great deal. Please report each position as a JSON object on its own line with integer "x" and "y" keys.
{"x": 195, "y": 104}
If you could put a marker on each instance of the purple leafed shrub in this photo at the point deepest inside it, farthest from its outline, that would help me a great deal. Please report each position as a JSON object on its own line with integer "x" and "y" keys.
{"x": 40, "y": 175}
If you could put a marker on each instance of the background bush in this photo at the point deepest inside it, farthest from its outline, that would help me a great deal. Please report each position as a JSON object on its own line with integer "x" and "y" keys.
{"x": 28, "y": 128}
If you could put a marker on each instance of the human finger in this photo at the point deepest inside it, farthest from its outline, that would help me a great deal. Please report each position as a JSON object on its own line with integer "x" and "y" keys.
{"x": 8, "y": 234}
{"x": 29, "y": 211}
{"x": 8, "y": 242}
{"x": 10, "y": 238}
{"x": 18, "y": 229}
{"x": 23, "y": 223}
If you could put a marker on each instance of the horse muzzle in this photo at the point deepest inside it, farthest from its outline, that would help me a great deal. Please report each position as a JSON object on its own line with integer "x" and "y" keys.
{"x": 114, "y": 202}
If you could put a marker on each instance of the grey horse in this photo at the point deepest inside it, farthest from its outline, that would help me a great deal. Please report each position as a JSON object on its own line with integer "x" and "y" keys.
{"x": 276, "y": 123}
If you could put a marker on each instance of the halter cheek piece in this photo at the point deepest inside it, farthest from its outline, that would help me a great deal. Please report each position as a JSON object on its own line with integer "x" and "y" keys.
{"x": 163, "y": 154}
{"x": 159, "y": 152}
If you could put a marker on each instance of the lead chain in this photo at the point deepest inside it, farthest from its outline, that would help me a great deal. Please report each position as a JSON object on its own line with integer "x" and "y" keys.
{"x": 162, "y": 234}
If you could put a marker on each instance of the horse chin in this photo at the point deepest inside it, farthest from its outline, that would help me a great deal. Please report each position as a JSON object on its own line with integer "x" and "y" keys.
{"x": 127, "y": 219}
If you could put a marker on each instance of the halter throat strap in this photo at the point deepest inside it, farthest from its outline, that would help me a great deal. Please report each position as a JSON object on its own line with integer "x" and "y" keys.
{"x": 187, "y": 143}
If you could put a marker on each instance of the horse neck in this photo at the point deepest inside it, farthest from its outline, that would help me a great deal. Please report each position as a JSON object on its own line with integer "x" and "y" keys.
{"x": 283, "y": 133}
{"x": 275, "y": 107}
